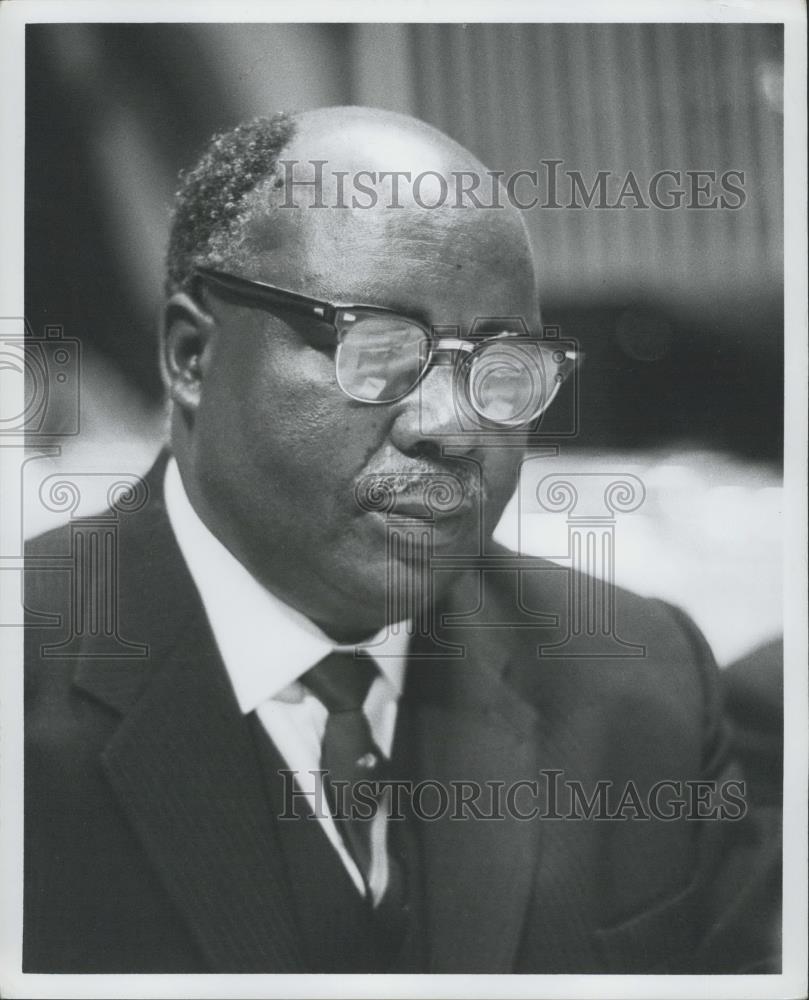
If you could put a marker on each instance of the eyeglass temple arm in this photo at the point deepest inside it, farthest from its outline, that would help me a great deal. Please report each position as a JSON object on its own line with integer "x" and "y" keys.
{"x": 303, "y": 305}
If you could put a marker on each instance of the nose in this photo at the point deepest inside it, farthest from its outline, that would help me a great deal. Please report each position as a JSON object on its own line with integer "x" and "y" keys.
{"x": 431, "y": 415}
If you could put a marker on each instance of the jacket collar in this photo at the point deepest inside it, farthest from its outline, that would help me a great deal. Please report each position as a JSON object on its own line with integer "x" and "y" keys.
{"x": 182, "y": 762}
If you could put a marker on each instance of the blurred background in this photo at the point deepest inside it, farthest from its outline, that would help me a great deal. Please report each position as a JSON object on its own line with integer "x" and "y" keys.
{"x": 679, "y": 312}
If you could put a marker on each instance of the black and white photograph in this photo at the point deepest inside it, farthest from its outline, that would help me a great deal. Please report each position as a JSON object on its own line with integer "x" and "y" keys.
{"x": 404, "y": 519}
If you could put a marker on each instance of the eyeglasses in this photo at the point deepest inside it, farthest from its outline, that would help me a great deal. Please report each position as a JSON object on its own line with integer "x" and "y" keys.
{"x": 509, "y": 377}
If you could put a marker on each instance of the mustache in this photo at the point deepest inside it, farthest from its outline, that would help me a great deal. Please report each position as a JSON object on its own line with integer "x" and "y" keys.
{"x": 420, "y": 492}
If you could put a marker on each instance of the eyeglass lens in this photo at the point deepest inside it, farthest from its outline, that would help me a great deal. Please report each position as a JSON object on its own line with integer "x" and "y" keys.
{"x": 380, "y": 358}
{"x": 508, "y": 381}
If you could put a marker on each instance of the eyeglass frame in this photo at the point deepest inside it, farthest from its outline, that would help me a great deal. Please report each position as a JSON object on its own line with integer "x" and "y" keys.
{"x": 323, "y": 311}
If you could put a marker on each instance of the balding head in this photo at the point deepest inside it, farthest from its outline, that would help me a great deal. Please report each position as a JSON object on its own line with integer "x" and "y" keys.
{"x": 295, "y": 190}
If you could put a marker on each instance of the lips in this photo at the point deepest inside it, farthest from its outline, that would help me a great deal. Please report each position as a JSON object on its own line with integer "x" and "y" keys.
{"x": 410, "y": 507}
{"x": 418, "y": 494}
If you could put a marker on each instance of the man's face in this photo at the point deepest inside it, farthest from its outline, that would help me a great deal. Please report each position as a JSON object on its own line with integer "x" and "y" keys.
{"x": 282, "y": 454}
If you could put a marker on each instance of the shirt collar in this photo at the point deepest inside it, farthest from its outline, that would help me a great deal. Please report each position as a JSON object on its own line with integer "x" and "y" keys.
{"x": 265, "y": 644}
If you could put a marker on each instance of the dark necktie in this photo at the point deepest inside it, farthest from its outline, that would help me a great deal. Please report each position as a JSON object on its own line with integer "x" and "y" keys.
{"x": 349, "y": 754}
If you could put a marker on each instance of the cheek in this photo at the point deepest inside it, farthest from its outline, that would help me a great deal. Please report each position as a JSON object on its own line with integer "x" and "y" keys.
{"x": 277, "y": 417}
{"x": 264, "y": 388}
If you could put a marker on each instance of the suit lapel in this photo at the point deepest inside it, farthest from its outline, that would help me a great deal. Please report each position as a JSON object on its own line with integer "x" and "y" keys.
{"x": 184, "y": 768}
{"x": 185, "y": 771}
{"x": 469, "y": 725}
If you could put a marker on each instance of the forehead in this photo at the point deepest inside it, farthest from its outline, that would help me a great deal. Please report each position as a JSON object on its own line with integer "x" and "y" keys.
{"x": 455, "y": 264}
{"x": 397, "y": 252}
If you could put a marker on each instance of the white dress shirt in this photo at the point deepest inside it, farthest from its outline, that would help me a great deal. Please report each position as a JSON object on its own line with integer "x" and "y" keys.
{"x": 266, "y": 646}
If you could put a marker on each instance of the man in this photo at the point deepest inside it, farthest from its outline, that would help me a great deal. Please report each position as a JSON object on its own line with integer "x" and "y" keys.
{"x": 314, "y": 580}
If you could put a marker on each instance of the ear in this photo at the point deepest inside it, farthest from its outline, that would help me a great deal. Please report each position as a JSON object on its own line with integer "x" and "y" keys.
{"x": 187, "y": 341}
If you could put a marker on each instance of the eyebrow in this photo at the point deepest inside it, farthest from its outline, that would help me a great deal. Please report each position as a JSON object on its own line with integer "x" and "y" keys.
{"x": 403, "y": 309}
{"x": 406, "y": 311}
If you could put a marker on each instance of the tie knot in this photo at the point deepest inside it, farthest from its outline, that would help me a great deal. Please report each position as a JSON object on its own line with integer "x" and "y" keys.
{"x": 341, "y": 681}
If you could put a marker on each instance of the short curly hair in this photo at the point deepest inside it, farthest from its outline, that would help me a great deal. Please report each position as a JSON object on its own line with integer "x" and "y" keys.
{"x": 209, "y": 204}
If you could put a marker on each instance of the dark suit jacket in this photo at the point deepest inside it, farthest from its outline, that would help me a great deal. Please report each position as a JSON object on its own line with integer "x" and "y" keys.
{"x": 149, "y": 847}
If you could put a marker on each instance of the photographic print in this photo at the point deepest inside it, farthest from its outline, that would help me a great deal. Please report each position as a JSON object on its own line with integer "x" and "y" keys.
{"x": 403, "y": 534}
